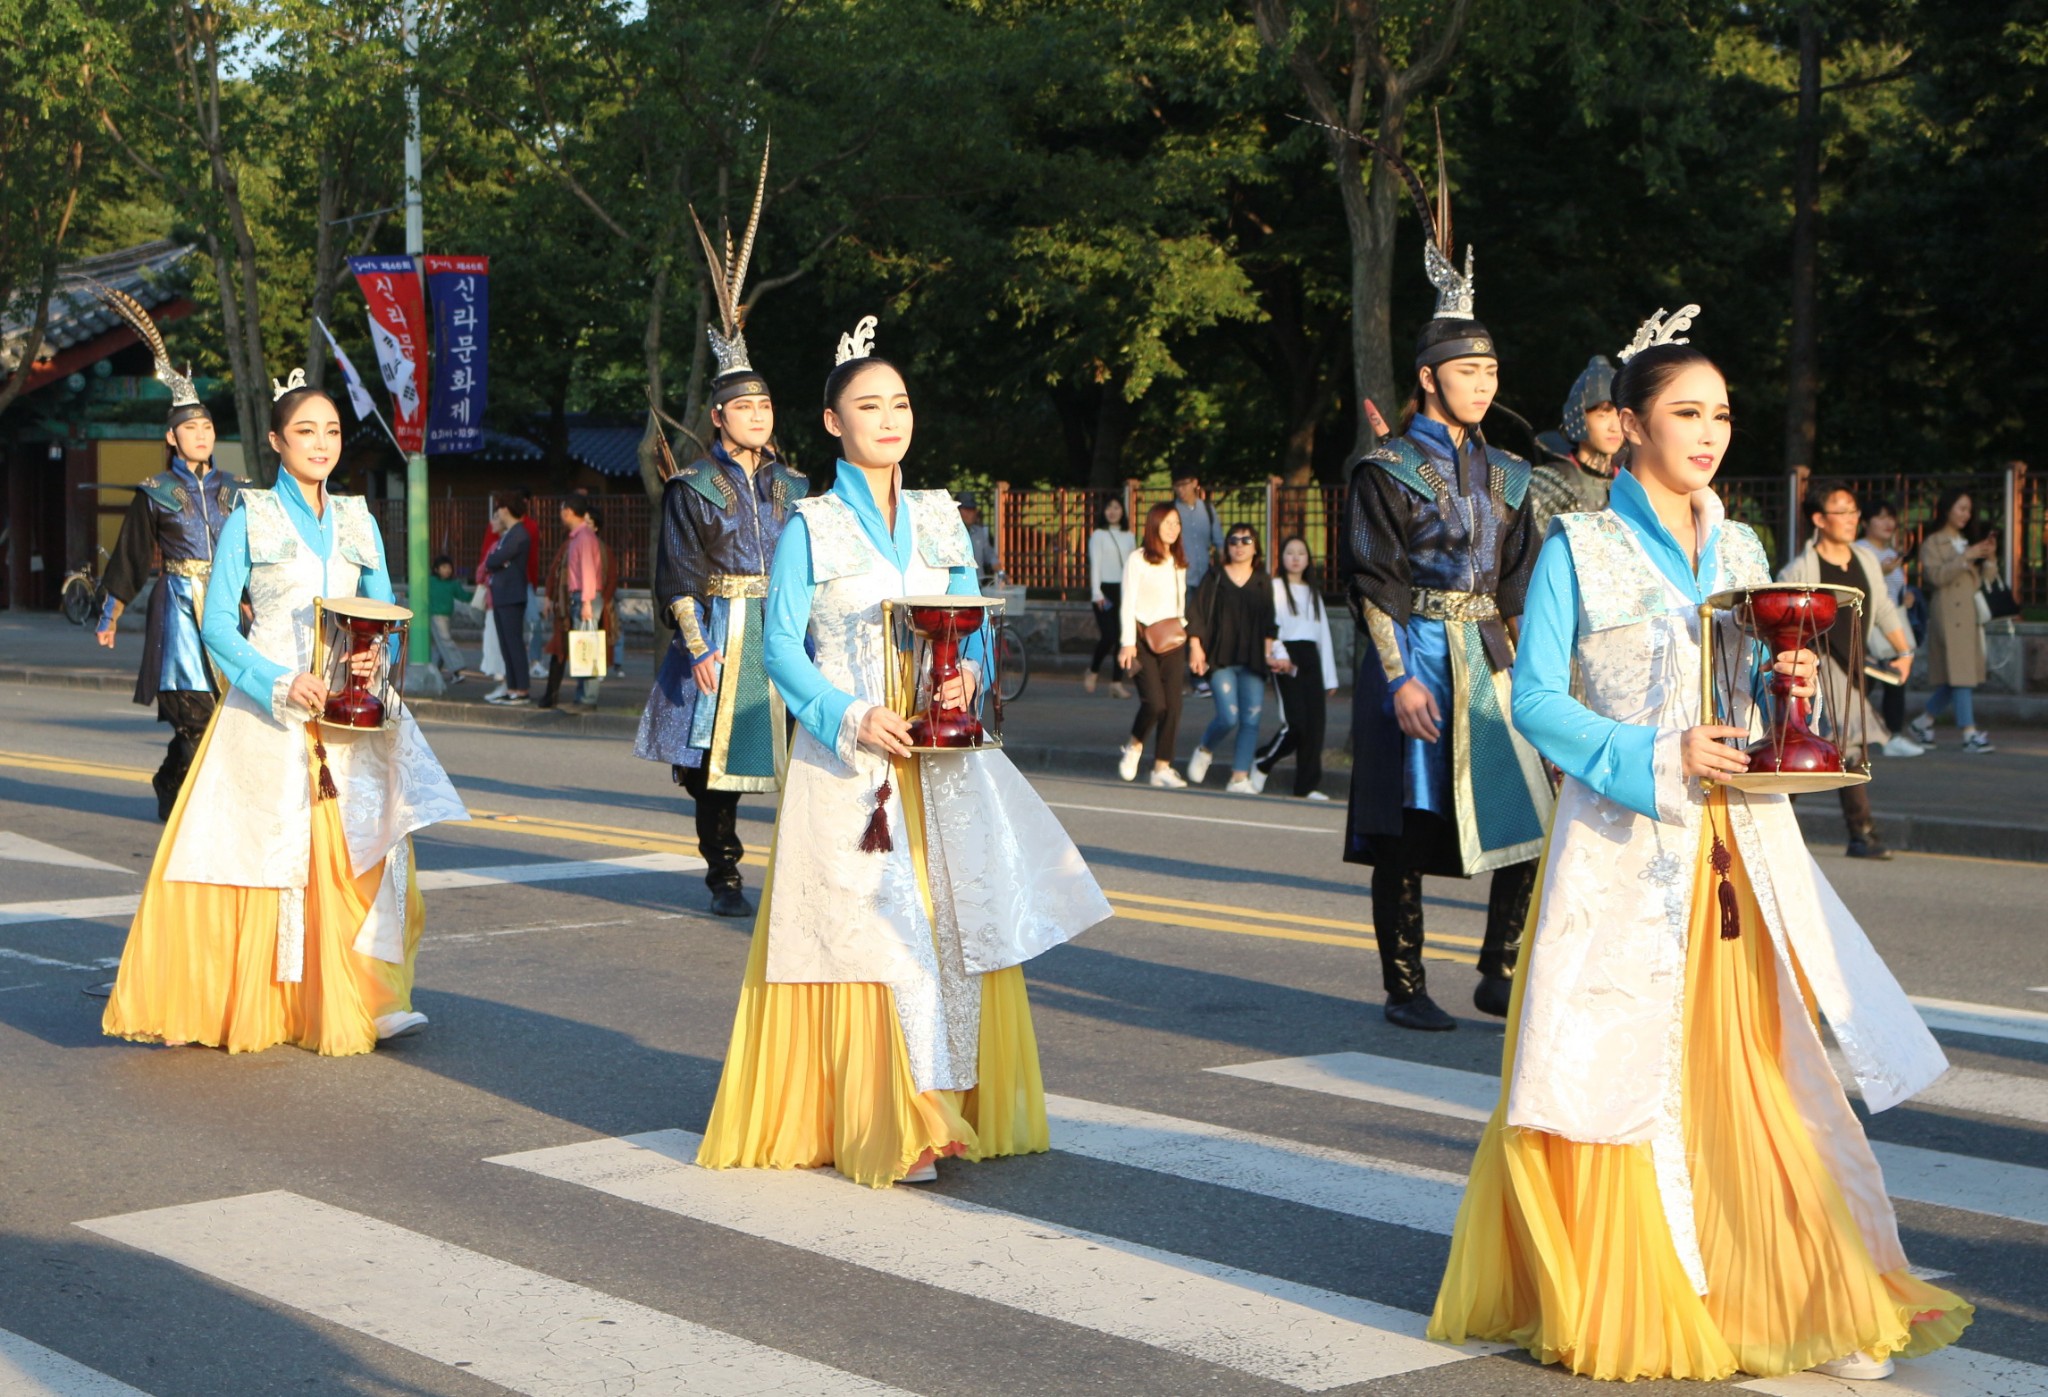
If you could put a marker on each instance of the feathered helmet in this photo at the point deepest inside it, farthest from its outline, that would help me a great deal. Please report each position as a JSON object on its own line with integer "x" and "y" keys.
{"x": 185, "y": 404}
{"x": 736, "y": 377}
{"x": 1452, "y": 333}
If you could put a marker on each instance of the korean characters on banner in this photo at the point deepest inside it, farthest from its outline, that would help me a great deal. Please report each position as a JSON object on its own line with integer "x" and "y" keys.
{"x": 398, "y": 325}
{"x": 459, "y": 290}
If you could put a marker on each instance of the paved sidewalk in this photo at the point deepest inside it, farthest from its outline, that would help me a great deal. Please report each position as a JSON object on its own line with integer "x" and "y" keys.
{"x": 1991, "y": 806}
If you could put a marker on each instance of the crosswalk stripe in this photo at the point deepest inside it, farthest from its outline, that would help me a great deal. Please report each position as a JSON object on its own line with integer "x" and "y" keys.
{"x": 430, "y": 880}
{"x": 1305, "y": 1337}
{"x": 2015, "y": 1191}
{"x": 1975, "y": 1089}
{"x": 511, "y": 1326}
{"x": 1949, "y": 1372}
{"x": 27, "y": 1369}
{"x": 1987, "y": 1020}
{"x": 1337, "y": 1181}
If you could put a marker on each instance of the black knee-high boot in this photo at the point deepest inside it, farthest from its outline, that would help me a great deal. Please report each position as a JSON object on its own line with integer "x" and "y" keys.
{"x": 1507, "y": 909}
{"x": 1397, "y": 926}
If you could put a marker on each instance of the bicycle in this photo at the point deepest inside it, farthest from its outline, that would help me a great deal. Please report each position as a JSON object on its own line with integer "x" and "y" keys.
{"x": 1012, "y": 661}
{"x": 78, "y": 598}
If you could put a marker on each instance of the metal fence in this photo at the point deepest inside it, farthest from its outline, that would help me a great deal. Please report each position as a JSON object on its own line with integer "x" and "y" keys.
{"x": 1042, "y": 535}
{"x": 457, "y": 525}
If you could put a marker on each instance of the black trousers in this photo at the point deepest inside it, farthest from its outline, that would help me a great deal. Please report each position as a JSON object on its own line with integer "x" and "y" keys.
{"x": 1160, "y": 679}
{"x": 1891, "y": 703}
{"x": 1397, "y": 916}
{"x": 1108, "y": 624}
{"x": 1304, "y": 714}
{"x": 188, "y": 712}
{"x": 511, "y": 623}
{"x": 718, "y": 838}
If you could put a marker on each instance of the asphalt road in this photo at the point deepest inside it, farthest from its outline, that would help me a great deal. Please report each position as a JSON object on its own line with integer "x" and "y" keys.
{"x": 456, "y": 1214}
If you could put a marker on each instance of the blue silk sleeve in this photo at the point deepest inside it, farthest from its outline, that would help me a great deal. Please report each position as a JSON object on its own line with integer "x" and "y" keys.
{"x": 1616, "y": 759}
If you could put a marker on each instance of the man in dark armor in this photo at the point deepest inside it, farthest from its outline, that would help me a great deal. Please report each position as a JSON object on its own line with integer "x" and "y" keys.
{"x": 176, "y": 515}
{"x": 1577, "y": 468}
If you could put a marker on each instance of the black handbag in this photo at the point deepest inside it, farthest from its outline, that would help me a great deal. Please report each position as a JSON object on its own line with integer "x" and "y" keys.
{"x": 1999, "y": 600}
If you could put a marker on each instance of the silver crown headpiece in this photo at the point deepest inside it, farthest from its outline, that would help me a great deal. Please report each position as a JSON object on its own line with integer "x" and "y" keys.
{"x": 858, "y": 345}
{"x": 183, "y": 393}
{"x": 296, "y": 381}
{"x": 1658, "y": 330}
{"x": 729, "y": 279}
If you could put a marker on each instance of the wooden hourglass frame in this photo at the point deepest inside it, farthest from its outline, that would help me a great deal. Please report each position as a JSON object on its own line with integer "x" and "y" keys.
{"x": 1789, "y": 758}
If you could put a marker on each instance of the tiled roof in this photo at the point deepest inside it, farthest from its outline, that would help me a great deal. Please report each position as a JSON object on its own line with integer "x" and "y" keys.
{"x": 76, "y": 315}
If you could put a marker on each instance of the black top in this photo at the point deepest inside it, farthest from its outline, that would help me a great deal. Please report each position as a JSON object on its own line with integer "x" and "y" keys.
{"x": 1835, "y": 639}
{"x": 1232, "y": 622}
{"x": 507, "y": 566}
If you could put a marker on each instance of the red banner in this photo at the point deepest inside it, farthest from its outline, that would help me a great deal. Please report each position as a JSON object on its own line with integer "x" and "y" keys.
{"x": 398, "y": 329}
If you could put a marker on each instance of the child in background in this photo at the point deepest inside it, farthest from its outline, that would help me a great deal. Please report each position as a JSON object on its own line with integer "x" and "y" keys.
{"x": 441, "y": 588}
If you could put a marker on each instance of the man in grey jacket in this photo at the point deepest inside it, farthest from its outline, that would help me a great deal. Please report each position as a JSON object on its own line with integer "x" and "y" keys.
{"x": 1834, "y": 557}
{"x": 506, "y": 566}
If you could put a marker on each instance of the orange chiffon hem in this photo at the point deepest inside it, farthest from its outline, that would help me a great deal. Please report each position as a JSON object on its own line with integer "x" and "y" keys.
{"x": 1562, "y": 1248}
{"x": 200, "y": 963}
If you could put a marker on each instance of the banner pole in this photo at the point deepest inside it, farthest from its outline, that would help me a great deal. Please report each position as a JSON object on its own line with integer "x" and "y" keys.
{"x": 417, "y": 544}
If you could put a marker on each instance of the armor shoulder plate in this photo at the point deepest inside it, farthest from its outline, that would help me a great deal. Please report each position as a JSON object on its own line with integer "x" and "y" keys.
{"x": 709, "y": 481}
{"x": 166, "y": 492}
{"x": 1510, "y": 475}
{"x": 787, "y": 485}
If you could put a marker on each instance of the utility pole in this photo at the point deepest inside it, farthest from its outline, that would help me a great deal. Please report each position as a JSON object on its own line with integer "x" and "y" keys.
{"x": 421, "y": 676}
{"x": 1802, "y": 388}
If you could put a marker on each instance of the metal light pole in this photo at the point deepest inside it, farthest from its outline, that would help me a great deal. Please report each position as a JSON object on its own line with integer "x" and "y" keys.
{"x": 420, "y": 673}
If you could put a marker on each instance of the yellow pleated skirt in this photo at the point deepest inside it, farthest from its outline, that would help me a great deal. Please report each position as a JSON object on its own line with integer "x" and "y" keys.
{"x": 818, "y": 1074}
{"x": 200, "y": 964}
{"x": 1561, "y": 1248}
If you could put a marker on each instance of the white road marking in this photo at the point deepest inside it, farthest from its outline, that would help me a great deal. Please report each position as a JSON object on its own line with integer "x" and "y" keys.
{"x": 1987, "y": 1020}
{"x": 9, "y": 953}
{"x": 27, "y": 1369}
{"x": 1385, "y": 1081}
{"x": 2015, "y": 1191}
{"x": 21, "y": 849}
{"x": 1949, "y": 1372}
{"x": 1302, "y": 1336}
{"x": 457, "y": 938}
{"x": 1197, "y": 819}
{"x": 508, "y": 1325}
{"x": 1975, "y": 1089}
{"x": 430, "y": 880}
{"x": 1339, "y": 1181}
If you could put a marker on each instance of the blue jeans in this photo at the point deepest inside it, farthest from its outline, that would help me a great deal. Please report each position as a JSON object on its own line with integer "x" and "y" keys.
{"x": 1964, "y": 700}
{"x": 1240, "y": 696}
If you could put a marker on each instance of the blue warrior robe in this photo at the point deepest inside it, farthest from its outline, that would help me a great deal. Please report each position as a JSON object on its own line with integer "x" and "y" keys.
{"x": 1438, "y": 549}
{"x": 719, "y": 530}
{"x": 176, "y": 515}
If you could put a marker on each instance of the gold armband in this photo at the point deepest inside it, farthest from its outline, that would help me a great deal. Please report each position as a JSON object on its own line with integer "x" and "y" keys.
{"x": 684, "y": 610}
{"x": 1380, "y": 627}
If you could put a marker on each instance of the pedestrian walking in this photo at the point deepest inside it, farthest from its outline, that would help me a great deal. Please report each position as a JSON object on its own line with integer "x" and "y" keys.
{"x": 978, "y": 535}
{"x": 1881, "y": 537}
{"x": 506, "y": 568}
{"x": 579, "y": 597}
{"x": 1310, "y": 674}
{"x": 1108, "y": 546}
{"x": 1955, "y": 570}
{"x": 1832, "y": 558}
{"x": 1200, "y": 536}
{"x": 1153, "y": 643}
{"x": 1233, "y": 640}
{"x": 441, "y": 590}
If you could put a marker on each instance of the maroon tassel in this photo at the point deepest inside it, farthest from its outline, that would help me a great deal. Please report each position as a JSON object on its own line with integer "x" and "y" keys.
{"x": 1731, "y": 911}
{"x": 327, "y": 788}
{"x": 876, "y": 840}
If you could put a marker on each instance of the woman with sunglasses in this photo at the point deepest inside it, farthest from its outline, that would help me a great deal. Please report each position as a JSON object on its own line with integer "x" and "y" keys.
{"x": 1234, "y": 639}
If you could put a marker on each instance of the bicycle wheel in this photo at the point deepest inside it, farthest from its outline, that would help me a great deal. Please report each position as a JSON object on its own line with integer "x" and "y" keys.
{"x": 1013, "y": 665}
{"x": 77, "y": 601}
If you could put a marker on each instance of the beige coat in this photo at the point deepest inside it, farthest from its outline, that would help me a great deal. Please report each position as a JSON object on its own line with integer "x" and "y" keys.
{"x": 1955, "y": 637}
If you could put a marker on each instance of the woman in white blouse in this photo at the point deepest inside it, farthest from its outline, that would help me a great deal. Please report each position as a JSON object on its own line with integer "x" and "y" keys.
{"x": 1311, "y": 676}
{"x": 1155, "y": 614}
{"x": 1108, "y": 546}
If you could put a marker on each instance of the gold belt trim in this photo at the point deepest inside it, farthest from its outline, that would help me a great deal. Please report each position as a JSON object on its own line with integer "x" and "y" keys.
{"x": 189, "y": 567}
{"x": 1433, "y": 605}
{"x": 737, "y": 584}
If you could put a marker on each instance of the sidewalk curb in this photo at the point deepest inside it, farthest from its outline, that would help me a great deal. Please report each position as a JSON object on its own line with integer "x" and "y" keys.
{"x": 1819, "y": 820}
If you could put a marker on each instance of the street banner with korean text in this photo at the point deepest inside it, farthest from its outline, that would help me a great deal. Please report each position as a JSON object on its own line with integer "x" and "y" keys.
{"x": 458, "y": 288}
{"x": 398, "y": 329}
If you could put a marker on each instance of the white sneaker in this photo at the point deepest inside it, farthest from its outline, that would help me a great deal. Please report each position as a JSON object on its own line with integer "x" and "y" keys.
{"x": 925, "y": 1173}
{"x": 1166, "y": 776}
{"x": 1977, "y": 740}
{"x": 495, "y": 694}
{"x": 400, "y": 1025}
{"x": 1258, "y": 780}
{"x": 1240, "y": 786}
{"x": 1903, "y": 746}
{"x": 1127, "y": 760}
{"x": 1315, "y": 795}
{"x": 1856, "y": 1367}
{"x": 1198, "y": 765}
{"x": 1921, "y": 730}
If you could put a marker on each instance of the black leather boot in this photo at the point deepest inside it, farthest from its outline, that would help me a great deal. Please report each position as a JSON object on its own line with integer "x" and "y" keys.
{"x": 1863, "y": 840}
{"x": 1397, "y": 925}
{"x": 1864, "y": 844}
{"x": 1507, "y": 911}
{"x": 729, "y": 901}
